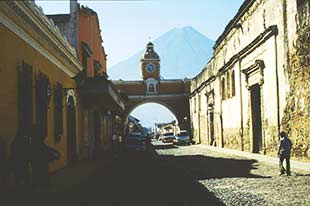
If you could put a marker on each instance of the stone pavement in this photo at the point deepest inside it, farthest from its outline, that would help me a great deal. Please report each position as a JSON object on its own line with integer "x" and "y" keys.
{"x": 171, "y": 175}
{"x": 238, "y": 178}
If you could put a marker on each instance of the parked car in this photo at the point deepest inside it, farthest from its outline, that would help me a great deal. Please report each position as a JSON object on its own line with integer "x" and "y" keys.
{"x": 136, "y": 142}
{"x": 182, "y": 138}
{"x": 168, "y": 137}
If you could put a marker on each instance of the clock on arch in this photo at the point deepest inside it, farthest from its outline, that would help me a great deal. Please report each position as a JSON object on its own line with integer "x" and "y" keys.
{"x": 150, "y": 67}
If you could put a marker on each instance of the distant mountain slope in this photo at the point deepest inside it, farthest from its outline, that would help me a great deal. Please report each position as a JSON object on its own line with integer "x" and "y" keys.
{"x": 183, "y": 53}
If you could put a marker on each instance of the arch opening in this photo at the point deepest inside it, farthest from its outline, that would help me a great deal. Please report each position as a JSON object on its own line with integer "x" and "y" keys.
{"x": 152, "y": 114}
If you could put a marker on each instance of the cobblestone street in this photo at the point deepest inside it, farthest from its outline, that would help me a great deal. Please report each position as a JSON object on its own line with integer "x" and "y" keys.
{"x": 237, "y": 180}
{"x": 169, "y": 175}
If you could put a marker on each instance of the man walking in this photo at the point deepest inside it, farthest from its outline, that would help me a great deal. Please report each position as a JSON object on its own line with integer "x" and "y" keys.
{"x": 284, "y": 152}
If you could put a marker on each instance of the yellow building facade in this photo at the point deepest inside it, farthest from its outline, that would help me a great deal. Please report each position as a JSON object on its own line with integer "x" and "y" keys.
{"x": 37, "y": 67}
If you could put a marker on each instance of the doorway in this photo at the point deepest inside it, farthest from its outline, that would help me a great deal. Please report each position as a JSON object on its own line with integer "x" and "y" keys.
{"x": 24, "y": 99}
{"x": 256, "y": 118}
{"x": 211, "y": 126}
{"x": 71, "y": 131}
{"x": 96, "y": 133}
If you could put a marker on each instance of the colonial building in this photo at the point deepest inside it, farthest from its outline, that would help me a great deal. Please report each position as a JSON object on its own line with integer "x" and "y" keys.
{"x": 257, "y": 82}
{"x": 133, "y": 125}
{"x": 37, "y": 70}
{"x": 169, "y": 127}
{"x": 101, "y": 105}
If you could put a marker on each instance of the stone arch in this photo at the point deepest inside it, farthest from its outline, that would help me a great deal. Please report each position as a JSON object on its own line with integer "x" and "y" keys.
{"x": 172, "y": 94}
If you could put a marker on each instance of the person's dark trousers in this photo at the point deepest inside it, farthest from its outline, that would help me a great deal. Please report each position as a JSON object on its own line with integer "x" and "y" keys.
{"x": 288, "y": 166}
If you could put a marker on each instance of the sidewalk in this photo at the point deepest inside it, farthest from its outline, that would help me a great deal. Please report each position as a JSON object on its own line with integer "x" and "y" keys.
{"x": 296, "y": 165}
{"x": 65, "y": 184}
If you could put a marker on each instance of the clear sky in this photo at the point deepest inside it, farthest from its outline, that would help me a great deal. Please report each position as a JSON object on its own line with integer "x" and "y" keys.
{"x": 148, "y": 118}
{"x": 126, "y": 27}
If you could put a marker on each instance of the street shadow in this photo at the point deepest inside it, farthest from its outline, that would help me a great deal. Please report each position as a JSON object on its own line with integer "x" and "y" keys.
{"x": 174, "y": 180}
{"x": 146, "y": 178}
{"x": 199, "y": 167}
{"x": 143, "y": 179}
{"x": 164, "y": 146}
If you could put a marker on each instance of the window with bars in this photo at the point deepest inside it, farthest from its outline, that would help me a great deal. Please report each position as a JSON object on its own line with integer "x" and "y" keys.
{"x": 58, "y": 113}
{"x": 228, "y": 84}
{"x": 223, "y": 90}
{"x": 233, "y": 86}
{"x": 195, "y": 105}
{"x": 86, "y": 53}
{"x": 43, "y": 95}
{"x": 98, "y": 68}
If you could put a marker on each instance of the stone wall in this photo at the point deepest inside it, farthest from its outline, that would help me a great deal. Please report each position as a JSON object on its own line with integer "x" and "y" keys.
{"x": 246, "y": 137}
{"x": 271, "y": 143}
{"x": 232, "y": 138}
{"x": 296, "y": 121}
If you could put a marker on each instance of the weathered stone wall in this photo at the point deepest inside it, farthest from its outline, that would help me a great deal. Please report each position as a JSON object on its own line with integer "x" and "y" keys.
{"x": 246, "y": 137}
{"x": 296, "y": 121}
{"x": 276, "y": 33}
{"x": 232, "y": 138}
{"x": 271, "y": 144}
{"x": 203, "y": 129}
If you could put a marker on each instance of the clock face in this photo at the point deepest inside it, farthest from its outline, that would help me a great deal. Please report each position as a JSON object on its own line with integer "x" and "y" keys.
{"x": 150, "y": 68}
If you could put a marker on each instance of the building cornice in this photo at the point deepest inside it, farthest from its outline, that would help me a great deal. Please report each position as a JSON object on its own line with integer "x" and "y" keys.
{"x": 172, "y": 81}
{"x": 233, "y": 23}
{"x": 118, "y": 82}
{"x": 167, "y": 81}
{"x": 202, "y": 86}
{"x": 150, "y": 59}
{"x": 259, "y": 40}
{"x": 27, "y": 21}
{"x": 157, "y": 96}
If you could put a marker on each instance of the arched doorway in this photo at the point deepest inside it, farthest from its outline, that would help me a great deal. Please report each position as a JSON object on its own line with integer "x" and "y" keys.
{"x": 71, "y": 130}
